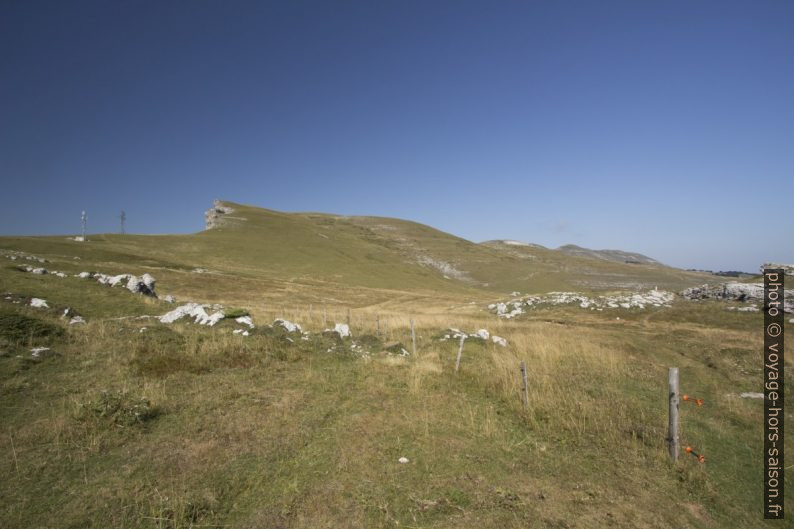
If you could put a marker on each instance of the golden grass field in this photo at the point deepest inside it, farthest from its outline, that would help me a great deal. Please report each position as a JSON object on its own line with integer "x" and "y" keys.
{"x": 182, "y": 425}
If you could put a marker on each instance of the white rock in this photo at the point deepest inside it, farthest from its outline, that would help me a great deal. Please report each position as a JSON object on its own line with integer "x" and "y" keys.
{"x": 499, "y": 340}
{"x": 76, "y": 319}
{"x": 195, "y": 311}
{"x": 141, "y": 285}
{"x": 245, "y": 320}
{"x": 84, "y": 275}
{"x": 342, "y": 329}
{"x": 39, "y": 303}
{"x": 752, "y": 395}
{"x": 245, "y": 333}
{"x": 169, "y": 299}
{"x": 482, "y": 333}
{"x": 38, "y": 271}
{"x": 39, "y": 352}
{"x": 287, "y": 325}
{"x": 403, "y": 460}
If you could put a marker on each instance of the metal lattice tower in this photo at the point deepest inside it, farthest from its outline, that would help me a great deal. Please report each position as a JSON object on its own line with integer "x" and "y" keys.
{"x": 123, "y": 218}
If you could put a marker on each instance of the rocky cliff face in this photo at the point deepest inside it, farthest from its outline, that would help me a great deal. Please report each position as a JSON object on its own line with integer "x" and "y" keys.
{"x": 215, "y": 216}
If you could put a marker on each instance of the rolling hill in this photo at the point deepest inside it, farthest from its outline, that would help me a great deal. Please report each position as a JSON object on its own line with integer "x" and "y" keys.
{"x": 361, "y": 258}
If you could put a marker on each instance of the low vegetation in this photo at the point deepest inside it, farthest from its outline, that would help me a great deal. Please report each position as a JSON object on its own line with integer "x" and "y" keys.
{"x": 139, "y": 424}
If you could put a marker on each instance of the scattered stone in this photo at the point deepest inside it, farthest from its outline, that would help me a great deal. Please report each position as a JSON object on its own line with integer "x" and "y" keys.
{"x": 195, "y": 311}
{"x": 169, "y": 299}
{"x": 138, "y": 285}
{"x": 76, "y": 320}
{"x": 482, "y": 333}
{"x": 246, "y": 320}
{"x": 752, "y": 395}
{"x": 733, "y": 291}
{"x": 652, "y": 298}
{"x": 403, "y": 460}
{"x": 342, "y": 329}
{"x": 498, "y": 340}
{"x": 39, "y": 303}
{"x": 287, "y": 325}
{"x": 41, "y": 352}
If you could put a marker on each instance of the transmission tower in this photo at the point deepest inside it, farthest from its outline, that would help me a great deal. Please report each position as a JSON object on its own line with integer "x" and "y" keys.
{"x": 123, "y": 218}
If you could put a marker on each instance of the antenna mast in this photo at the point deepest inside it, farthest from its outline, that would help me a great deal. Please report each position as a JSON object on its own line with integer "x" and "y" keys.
{"x": 83, "y": 218}
{"x": 123, "y": 218}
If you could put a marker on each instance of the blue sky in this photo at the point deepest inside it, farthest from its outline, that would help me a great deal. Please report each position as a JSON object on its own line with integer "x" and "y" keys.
{"x": 665, "y": 128}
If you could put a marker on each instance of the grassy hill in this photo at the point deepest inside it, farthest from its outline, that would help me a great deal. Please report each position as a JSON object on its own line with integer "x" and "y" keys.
{"x": 318, "y": 258}
{"x": 134, "y": 423}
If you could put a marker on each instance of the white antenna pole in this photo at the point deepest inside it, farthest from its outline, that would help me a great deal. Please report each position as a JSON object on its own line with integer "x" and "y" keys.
{"x": 83, "y": 218}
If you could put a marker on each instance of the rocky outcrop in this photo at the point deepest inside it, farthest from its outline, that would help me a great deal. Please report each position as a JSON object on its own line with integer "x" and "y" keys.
{"x": 747, "y": 292}
{"x": 137, "y": 285}
{"x": 214, "y": 216}
{"x": 640, "y": 300}
{"x": 195, "y": 311}
{"x": 788, "y": 269}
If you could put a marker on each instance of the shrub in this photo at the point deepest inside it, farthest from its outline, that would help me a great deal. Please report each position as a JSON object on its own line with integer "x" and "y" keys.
{"x": 121, "y": 408}
{"x": 235, "y": 313}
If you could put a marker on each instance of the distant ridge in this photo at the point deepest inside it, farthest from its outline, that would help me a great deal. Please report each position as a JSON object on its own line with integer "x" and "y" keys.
{"x": 617, "y": 256}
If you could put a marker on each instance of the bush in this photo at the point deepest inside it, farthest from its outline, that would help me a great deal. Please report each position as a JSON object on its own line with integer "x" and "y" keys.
{"x": 121, "y": 408}
{"x": 235, "y": 313}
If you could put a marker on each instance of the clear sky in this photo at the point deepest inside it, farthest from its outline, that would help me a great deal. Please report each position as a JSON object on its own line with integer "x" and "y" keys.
{"x": 660, "y": 127}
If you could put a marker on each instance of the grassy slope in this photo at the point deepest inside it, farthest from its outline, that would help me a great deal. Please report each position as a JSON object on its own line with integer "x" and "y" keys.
{"x": 258, "y": 432}
{"x": 306, "y": 254}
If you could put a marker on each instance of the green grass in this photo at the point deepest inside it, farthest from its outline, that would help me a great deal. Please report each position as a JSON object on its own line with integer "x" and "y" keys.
{"x": 138, "y": 424}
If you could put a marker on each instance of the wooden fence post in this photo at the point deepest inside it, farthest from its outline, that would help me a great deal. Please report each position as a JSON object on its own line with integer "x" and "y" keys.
{"x": 460, "y": 353}
{"x": 524, "y": 382}
{"x": 413, "y": 338}
{"x": 673, "y": 401}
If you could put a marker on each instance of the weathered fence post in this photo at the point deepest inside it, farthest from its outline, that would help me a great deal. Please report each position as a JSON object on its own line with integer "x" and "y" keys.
{"x": 413, "y": 338}
{"x": 524, "y": 382}
{"x": 460, "y": 353}
{"x": 672, "y": 427}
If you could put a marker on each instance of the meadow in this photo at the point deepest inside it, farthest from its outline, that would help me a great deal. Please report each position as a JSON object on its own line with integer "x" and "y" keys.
{"x": 134, "y": 423}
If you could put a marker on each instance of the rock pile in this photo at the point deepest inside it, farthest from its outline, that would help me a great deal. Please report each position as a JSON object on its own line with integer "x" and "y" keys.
{"x": 482, "y": 334}
{"x": 195, "y": 311}
{"x": 640, "y": 300}
{"x": 788, "y": 269}
{"x": 138, "y": 285}
{"x": 733, "y": 291}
